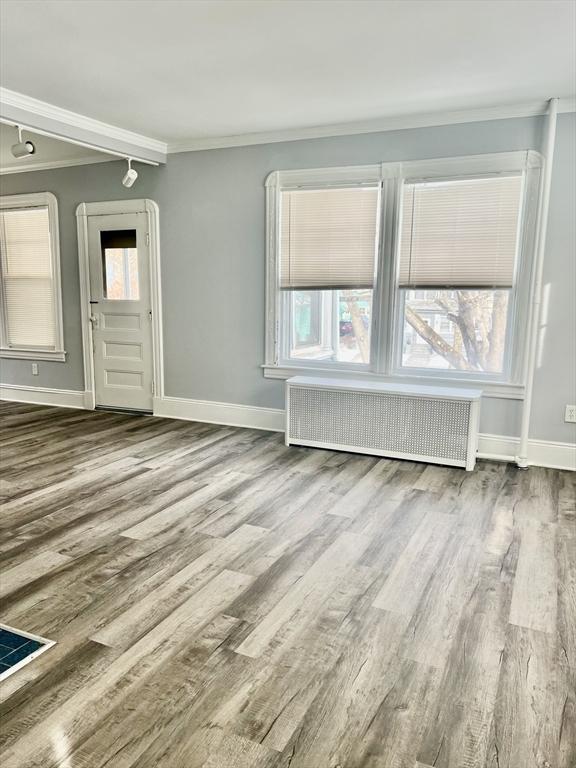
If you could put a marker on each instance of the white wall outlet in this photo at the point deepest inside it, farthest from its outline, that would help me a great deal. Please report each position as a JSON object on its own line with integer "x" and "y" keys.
{"x": 34, "y": 369}
{"x": 570, "y": 414}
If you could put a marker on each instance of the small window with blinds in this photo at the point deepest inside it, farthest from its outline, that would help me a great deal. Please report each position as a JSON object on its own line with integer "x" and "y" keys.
{"x": 327, "y": 270}
{"x": 457, "y": 266}
{"x": 30, "y": 318}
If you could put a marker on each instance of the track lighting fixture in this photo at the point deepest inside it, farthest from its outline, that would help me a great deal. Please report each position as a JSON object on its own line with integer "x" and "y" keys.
{"x": 131, "y": 175}
{"x": 23, "y": 148}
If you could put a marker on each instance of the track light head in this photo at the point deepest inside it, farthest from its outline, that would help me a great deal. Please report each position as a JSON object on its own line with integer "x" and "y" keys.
{"x": 130, "y": 176}
{"x": 23, "y": 148}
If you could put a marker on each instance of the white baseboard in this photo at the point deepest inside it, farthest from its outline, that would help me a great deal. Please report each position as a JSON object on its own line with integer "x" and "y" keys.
{"x": 542, "y": 453}
{"x": 233, "y": 415}
{"x": 63, "y": 398}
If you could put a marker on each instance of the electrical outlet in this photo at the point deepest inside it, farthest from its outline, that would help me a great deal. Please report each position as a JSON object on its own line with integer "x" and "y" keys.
{"x": 34, "y": 369}
{"x": 570, "y": 414}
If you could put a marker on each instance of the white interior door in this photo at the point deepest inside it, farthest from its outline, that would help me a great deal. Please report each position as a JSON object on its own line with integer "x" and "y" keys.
{"x": 120, "y": 304}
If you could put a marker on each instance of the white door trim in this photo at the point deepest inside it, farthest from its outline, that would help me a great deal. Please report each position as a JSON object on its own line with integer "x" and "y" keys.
{"x": 83, "y": 211}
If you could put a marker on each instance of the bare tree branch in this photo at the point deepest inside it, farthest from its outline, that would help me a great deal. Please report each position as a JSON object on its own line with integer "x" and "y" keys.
{"x": 479, "y": 319}
{"x": 438, "y": 344}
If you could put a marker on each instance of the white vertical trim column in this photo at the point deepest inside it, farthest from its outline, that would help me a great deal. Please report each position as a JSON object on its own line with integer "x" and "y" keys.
{"x": 84, "y": 273}
{"x": 536, "y": 319}
{"x": 272, "y": 247}
{"x": 156, "y": 295}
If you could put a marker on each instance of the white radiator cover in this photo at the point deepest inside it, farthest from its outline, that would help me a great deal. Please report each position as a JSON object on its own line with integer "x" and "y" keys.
{"x": 432, "y": 424}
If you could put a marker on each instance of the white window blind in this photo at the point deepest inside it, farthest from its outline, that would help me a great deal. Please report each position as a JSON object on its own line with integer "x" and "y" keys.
{"x": 28, "y": 290}
{"x": 460, "y": 234}
{"x": 328, "y": 238}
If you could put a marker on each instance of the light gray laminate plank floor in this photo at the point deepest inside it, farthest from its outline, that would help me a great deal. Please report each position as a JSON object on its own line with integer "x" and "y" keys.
{"x": 222, "y": 601}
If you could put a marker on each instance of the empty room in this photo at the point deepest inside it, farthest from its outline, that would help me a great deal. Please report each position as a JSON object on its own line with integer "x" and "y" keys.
{"x": 288, "y": 383}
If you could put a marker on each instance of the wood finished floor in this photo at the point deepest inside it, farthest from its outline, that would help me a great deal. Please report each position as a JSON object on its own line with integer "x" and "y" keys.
{"x": 219, "y": 600}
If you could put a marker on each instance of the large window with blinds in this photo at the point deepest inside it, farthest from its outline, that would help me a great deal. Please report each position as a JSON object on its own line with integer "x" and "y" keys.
{"x": 31, "y": 314}
{"x": 457, "y": 265}
{"x": 416, "y": 269}
{"x": 328, "y": 249}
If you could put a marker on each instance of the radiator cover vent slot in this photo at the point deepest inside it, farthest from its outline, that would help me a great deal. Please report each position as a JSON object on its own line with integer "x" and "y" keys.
{"x": 432, "y": 424}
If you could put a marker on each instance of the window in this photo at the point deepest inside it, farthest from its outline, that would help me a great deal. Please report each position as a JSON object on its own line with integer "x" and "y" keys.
{"x": 31, "y": 315}
{"x": 418, "y": 269}
{"x": 120, "y": 265}
{"x": 330, "y": 325}
{"x": 328, "y": 250}
{"x": 461, "y": 330}
{"x": 457, "y": 259}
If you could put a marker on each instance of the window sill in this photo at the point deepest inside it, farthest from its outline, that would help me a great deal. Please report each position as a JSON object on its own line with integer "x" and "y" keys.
{"x": 28, "y": 354}
{"x": 492, "y": 389}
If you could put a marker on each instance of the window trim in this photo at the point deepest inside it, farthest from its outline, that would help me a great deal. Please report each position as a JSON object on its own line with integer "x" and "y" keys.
{"x": 390, "y": 176}
{"x": 58, "y": 354}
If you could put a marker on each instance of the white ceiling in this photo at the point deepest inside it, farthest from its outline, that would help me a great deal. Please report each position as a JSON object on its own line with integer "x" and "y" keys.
{"x": 50, "y": 153}
{"x": 184, "y": 69}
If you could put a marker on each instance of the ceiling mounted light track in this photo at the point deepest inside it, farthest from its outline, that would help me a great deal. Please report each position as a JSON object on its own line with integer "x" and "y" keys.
{"x": 131, "y": 174}
{"x": 23, "y": 148}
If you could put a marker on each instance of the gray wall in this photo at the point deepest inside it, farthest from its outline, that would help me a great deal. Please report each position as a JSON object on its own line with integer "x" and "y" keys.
{"x": 212, "y": 238}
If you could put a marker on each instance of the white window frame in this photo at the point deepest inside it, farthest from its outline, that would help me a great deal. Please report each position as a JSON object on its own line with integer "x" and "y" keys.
{"x": 324, "y": 329}
{"x": 37, "y": 200}
{"x": 387, "y": 320}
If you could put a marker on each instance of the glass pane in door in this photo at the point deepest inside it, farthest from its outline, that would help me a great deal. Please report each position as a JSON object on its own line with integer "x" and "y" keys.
{"x": 120, "y": 265}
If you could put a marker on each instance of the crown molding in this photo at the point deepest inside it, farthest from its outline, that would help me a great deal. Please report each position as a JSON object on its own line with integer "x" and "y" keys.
{"x": 48, "y": 165}
{"x": 50, "y": 120}
{"x": 396, "y": 123}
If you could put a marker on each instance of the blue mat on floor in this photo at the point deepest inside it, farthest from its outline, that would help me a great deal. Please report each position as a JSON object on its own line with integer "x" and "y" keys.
{"x": 16, "y": 647}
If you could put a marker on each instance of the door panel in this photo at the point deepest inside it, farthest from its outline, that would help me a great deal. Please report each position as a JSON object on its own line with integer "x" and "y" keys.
{"x": 121, "y": 310}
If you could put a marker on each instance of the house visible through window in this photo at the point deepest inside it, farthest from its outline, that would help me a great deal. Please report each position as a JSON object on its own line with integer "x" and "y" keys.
{"x": 417, "y": 269}
{"x": 30, "y": 317}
